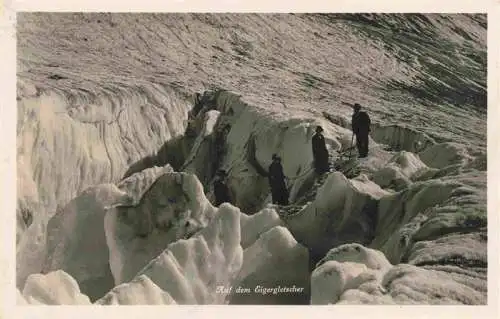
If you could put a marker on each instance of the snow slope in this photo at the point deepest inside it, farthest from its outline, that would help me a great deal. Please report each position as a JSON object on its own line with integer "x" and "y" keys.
{"x": 112, "y": 107}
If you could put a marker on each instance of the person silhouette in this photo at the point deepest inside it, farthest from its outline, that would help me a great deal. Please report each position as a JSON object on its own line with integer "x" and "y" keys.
{"x": 320, "y": 153}
{"x": 221, "y": 190}
{"x": 276, "y": 178}
{"x": 361, "y": 129}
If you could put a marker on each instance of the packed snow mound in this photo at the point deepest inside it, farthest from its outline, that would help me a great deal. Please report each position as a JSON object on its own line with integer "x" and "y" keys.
{"x": 343, "y": 211}
{"x": 76, "y": 242}
{"x": 174, "y": 207}
{"x": 192, "y": 270}
{"x": 253, "y": 226}
{"x": 140, "y": 291}
{"x": 275, "y": 260}
{"x": 399, "y": 171}
{"x": 54, "y": 288}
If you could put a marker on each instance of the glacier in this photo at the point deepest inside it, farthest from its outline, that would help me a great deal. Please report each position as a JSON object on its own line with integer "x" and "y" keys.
{"x": 117, "y": 150}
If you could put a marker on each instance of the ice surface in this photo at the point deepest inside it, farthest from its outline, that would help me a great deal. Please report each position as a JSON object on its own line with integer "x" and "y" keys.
{"x": 401, "y": 138}
{"x": 371, "y": 258}
{"x": 275, "y": 259}
{"x": 174, "y": 207}
{"x": 95, "y": 141}
{"x": 332, "y": 278}
{"x": 253, "y": 226}
{"x": 192, "y": 270}
{"x": 75, "y": 143}
{"x": 140, "y": 291}
{"x": 429, "y": 210}
{"x": 398, "y": 209}
{"x": 343, "y": 210}
{"x": 414, "y": 285}
{"x": 137, "y": 184}
{"x": 399, "y": 171}
{"x": 445, "y": 154}
{"x": 465, "y": 250}
{"x": 54, "y": 288}
{"x": 349, "y": 266}
{"x": 76, "y": 241}
{"x": 353, "y": 274}
{"x": 202, "y": 148}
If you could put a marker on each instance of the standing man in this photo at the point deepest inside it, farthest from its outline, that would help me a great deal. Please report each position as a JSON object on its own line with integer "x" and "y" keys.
{"x": 361, "y": 128}
{"x": 221, "y": 191}
{"x": 320, "y": 153}
{"x": 276, "y": 178}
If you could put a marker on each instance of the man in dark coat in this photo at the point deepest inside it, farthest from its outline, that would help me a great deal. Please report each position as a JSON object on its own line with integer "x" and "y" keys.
{"x": 221, "y": 191}
{"x": 276, "y": 178}
{"x": 320, "y": 153}
{"x": 219, "y": 146}
{"x": 361, "y": 128}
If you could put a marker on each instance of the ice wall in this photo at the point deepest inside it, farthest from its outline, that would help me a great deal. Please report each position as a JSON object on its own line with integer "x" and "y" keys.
{"x": 173, "y": 208}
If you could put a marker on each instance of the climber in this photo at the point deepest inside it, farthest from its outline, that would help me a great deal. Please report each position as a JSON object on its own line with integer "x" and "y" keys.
{"x": 361, "y": 128}
{"x": 276, "y": 178}
{"x": 320, "y": 153}
{"x": 221, "y": 190}
{"x": 219, "y": 146}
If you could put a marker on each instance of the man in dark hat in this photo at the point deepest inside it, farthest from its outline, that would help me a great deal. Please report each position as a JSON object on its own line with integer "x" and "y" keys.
{"x": 361, "y": 128}
{"x": 221, "y": 191}
{"x": 320, "y": 153}
{"x": 276, "y": 178}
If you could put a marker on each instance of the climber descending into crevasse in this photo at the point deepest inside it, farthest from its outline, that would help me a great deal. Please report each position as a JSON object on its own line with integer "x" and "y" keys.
{"x": 221, "y": 190}
{"x": 276, "y": 177}
{"x": 219, "y": 146}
